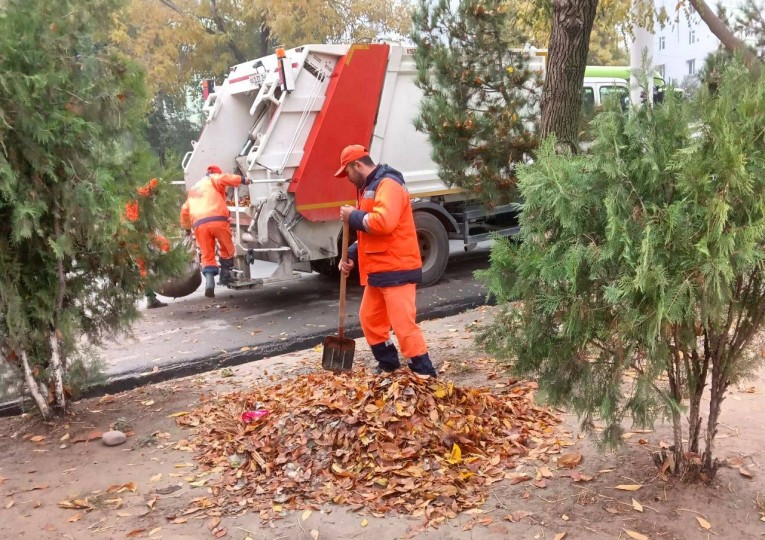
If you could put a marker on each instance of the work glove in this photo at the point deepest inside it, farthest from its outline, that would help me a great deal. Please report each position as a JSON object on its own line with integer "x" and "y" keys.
{"x": 246, "y": 181}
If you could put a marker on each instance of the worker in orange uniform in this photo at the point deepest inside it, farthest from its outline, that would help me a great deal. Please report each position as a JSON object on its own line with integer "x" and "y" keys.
{"x": 389, "y": 261}
{"x": 205, "y": 212}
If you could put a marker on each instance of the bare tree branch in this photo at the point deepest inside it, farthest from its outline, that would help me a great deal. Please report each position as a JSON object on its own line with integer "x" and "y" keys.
{"x": 726, "y": 37}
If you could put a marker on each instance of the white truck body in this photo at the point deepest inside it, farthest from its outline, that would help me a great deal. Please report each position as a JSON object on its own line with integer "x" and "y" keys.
{"x": 282, "y": 121}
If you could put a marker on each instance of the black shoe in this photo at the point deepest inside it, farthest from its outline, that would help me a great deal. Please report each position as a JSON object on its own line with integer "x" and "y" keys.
{"x": 153, "y": 303}
{"x": 422, "y": 365}
{"x": 210, "y": 293}
{"x": 379, "y": 370}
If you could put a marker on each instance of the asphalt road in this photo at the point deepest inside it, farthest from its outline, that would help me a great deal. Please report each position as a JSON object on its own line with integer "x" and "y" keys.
{"x": 194, "y": 334}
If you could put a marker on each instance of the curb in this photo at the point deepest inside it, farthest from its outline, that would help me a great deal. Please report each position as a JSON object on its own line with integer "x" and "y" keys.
{"x": 135, "y": 379}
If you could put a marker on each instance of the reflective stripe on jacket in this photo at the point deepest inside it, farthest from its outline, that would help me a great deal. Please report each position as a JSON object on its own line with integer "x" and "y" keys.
{"x": 207, "y": 200}
{"x": 388, "y": 252}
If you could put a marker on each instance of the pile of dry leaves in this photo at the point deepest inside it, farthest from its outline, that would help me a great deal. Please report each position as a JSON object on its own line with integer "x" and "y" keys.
{"x": 400, "y": 442}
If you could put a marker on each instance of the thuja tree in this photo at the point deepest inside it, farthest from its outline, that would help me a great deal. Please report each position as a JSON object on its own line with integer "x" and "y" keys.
{"x": 640, "y": 273}
{"x": 78, "y": 212}
{"x": 480, "y": 97}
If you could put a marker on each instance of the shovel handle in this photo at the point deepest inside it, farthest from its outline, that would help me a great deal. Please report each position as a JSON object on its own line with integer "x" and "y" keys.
{"x": 343, "y": 278}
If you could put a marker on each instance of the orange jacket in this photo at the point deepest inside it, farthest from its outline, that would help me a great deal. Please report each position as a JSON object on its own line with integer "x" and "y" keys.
{"x": 388, "y": 252}
{"x": 207, "y": 200}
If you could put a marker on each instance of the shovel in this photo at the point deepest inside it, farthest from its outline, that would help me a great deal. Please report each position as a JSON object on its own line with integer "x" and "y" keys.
{"x": 338, "y": 351}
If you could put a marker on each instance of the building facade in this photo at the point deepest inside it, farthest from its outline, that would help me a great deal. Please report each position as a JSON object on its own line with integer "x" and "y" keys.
{"x": 680, "y": 48}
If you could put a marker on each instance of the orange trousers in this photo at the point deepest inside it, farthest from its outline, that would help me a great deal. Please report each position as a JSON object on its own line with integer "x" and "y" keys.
{"x": 206, "y": 235}
{"x": 383, "y": 308}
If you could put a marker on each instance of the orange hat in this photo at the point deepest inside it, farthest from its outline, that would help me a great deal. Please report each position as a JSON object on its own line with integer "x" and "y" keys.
{"x": 214, "y": 169}
{"x": 350, "y": 153}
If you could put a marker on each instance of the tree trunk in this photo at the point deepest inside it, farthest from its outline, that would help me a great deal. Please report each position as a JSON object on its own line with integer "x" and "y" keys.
{"x": 569, "y": 44}
{"x": 33, "y": 388}
{"x": 696, "y": 372}
{"x": 677, "y": 420}
{"x": 726, "y": 37}
{"x": 58, "y": 371}
{"x": 716, "y": 397}
{"x": 265, "y": 38}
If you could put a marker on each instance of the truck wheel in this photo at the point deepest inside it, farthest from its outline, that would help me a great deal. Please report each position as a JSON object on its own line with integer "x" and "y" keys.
{"x": 326, "y": 267}
{"x": 434, "y": 247}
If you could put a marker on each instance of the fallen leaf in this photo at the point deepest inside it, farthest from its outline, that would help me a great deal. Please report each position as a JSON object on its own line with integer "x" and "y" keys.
{"x": 154, "y": 531}
{"x": 220, "y": 533}
{"x": 178, "y": 414}
{"x": 9, "y": 503}
{"x": 515, "y": 517}
{"x": 635, "y": 535}
{"x": 92, "y": 436}
{"x": 64, "y": 438}
{"x": 704, "y": 523}
{"x": 576, "y": 476}
{"x": 629, "y": 487}
{"x": 545, "y": 472}
{"x": 179, "y": 520}
{"x": 612, "y": 510}
{"x": 364, "y": 522}
{"x": 637, "y": 506}
{"x": 570, "y": 460}
{"x": 743, "y": 471}
{"x": 564, "y": 517}
{"x": 76, "y": 517}
{"x": 213, "y": 523}
{"x": 119, "y": 488}
{"x": 124, "y": 514}
{"x": 560, "y": 536}
{"x": 156, "y": 478}
{"x": 455, "y": 456}
{"x": 37, "y": 438}
{"x": 314, "y": 534}
{"x": 307, "y": 514}
{"x": 135, "y": 532}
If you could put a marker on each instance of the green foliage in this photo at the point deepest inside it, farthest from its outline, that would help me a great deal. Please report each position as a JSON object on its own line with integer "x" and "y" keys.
{"x": 72, "y": 112}
{"x": 170, "y": 128}
{"x": 641, "y": 271}
{"x": 479, "y": 107}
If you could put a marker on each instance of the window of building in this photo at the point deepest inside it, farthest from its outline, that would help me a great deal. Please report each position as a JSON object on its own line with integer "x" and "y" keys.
{"x": 691, "y": 67}
{"x": 661, "y": 69}
{"x": 662, "y": 43}
{"x": 692, "y": 37}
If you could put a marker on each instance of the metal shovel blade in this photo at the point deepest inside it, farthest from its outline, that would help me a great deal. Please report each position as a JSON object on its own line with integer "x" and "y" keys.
{"x": 338, "y": 353}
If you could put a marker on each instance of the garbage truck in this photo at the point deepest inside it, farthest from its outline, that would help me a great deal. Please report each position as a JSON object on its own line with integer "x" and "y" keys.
{"x": 282, "y": 121}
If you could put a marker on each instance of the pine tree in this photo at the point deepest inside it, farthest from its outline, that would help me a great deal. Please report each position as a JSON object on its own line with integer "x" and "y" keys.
{"x": 480, "y": 96}
{"x": 641, "y": 272}
{"x": 78, "y": 215}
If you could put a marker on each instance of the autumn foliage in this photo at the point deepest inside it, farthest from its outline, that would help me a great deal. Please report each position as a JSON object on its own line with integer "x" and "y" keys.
{"x": 398, "y": 443}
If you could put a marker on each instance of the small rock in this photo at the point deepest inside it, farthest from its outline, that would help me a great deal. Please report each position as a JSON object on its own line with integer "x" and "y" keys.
{"x": 113, "y": 438}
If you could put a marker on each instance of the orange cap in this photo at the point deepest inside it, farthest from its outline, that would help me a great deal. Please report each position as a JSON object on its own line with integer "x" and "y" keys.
{"x": 214, "y": 169}
{"x": 350, "y": 153}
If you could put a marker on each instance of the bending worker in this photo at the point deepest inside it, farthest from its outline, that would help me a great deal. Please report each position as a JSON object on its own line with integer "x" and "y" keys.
{"x": 205, "y": 212}
{"x": 389, "y": 261}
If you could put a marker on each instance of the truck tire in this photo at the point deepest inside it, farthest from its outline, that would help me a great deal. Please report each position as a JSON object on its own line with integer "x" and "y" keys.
{"x": 326, "y": 267}
{"x": 434, "y": 247}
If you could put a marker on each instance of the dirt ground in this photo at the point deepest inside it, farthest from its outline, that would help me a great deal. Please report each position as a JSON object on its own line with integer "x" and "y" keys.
{"x": 153, "y": 477}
